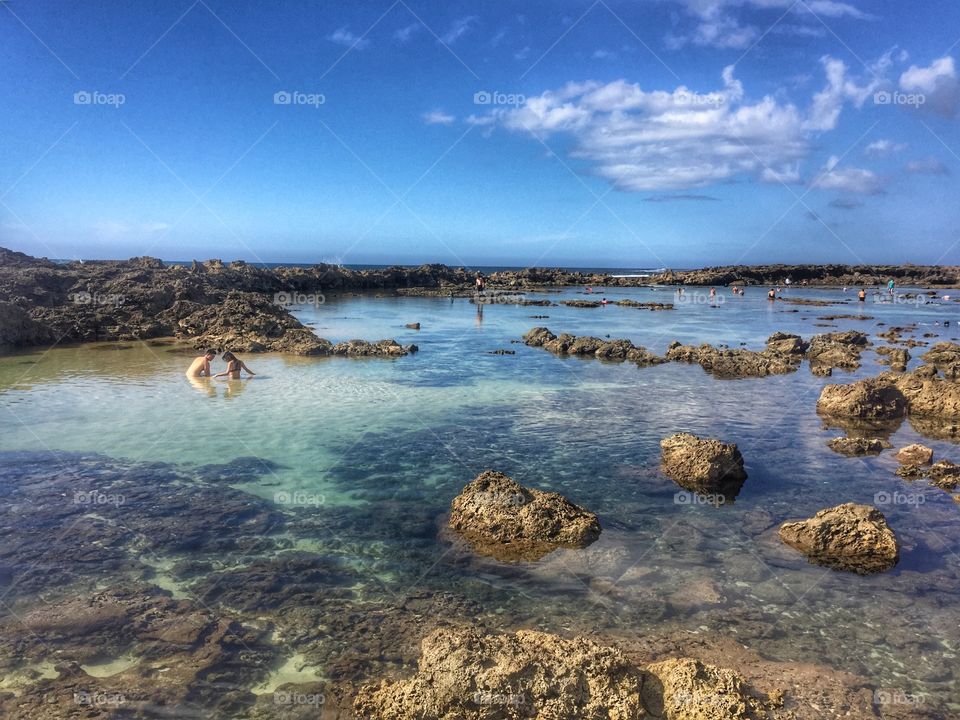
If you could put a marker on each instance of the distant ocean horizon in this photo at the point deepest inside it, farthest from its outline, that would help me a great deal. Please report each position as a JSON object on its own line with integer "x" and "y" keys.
{"x": 624, "y": 271}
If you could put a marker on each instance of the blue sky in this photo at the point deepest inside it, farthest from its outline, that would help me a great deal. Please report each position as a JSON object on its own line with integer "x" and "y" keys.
{"x": 614, "y": 132}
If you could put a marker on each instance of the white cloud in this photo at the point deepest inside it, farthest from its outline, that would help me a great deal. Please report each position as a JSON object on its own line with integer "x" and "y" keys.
{"x": 858, "y": 181}
{"x": 882, "y": 148}
{"x": 937, "y": 83}
{"x": 404, "y": 34}
{"x": 342, "y": 36}
{"x": 522, "y": 53}
{"x": 927, "y": 166}
{"x": 458, "y": 29}
{"x": 717, "y": 25}
{"x": 662, "y": 140}
{"x": 438, "y": 117}
{"x": 827, "y": 104}
{"x": 602, "y": 54}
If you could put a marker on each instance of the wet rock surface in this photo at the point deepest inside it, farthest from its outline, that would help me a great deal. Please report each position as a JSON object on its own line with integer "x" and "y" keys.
{"x": 780, "y": 356}
{"x": 472, "y": 675}
{"x": 848, "y": 537}
{"x": 703, "y": 465}
{"x": 501, "y": 518}
{"x": 837, "y": 350}
{"x": 603, "y": 349}
{"x": 857, "y": 445}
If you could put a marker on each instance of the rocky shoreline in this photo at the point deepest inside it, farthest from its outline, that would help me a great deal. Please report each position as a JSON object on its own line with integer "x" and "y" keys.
{"x": 247, "y": 308}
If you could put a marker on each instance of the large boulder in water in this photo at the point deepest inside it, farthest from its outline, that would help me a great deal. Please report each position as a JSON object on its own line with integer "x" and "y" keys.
{"x": 930, "y": 397}
{"x": 703, "y": 465}
{"x": 870, "y": 399}
{"x": 846, "y": 537}
{"x": 501, "y": 518}
{"x": 469, "y": 674}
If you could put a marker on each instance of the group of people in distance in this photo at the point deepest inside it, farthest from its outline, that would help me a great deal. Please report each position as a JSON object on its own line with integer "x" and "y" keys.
{"x": 200, "y": 367}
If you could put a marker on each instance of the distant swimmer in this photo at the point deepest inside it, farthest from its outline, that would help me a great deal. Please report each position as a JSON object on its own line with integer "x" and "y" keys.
{"x": 713, "y": 293}
{"x": 603, "y": 301}
{"x": 200, "y": 367}
{"x": 862, "y": 295}
{"x": 234, "y": 366}
{"x": 772, "y": 295}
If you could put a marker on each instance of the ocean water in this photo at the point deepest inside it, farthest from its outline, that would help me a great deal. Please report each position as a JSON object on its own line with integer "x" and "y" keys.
{"x": 315, "y": 492}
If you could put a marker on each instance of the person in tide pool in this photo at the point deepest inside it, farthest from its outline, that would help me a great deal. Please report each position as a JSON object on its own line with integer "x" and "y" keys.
{"x": 200, "y": 367}
{"x": 234, "y": 366}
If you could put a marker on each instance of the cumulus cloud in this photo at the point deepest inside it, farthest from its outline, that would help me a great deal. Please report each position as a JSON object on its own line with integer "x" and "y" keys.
{"x": 858, "y": 181}
{"x": 668, "y": 140}
{"x": 342, "y": 36}
{"x": 938, "y": 84}
{"x": 882, "y": 148}
{"x": 927, "y": 166}
{"x": 438, "y": 117}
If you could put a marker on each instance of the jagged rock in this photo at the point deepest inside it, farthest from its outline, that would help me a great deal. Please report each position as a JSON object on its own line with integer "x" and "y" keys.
{"x": 729, "y": 364}
{"x": 501, "y": 518}
{"x": 566, "y": 344}
{"x": 837, "y": 350}
{"x": 846, "y": 537}
{"x": 687, "y": 689}
{"x": 18, "y": 329}
{"x": 703, "y": 465}
{"x": 786, "y": 344}
{"x": 581, "y": 303}
{"x": 363, "y": 348}
{"x": 468, "y": 674}
{"x": 944, "y": 475}
{"x": 858, "y": 445}
{"x": 412, "y": 326}
{"x": 896, "y": 358}
{"x": 914, "y": 455}
{"x": 930, "y": 397}
{"x": 870, "y": 399}
{"x": 644, "y": 305}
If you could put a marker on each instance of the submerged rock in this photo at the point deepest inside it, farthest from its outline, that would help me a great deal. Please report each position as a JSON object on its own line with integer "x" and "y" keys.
{"x": 858, "y": 445}
{"x": 468, "y": 674}
{"x": 848, "y": 537}
{"x": 703, "y": 465}
{"x": 501, "y": 518}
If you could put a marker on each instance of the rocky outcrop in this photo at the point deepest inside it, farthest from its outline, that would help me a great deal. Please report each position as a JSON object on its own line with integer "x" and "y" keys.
{"x": 725, "y": 363}
{"x": 871, "y": 399}
{"x": 644, "y": 305}
{"x": 848, "y": 537}
{"x": 781, "y": 343}
{"x": 915, "y": 454}
{"x": 604, "y": 349}
{"x": 468, "y": 674}
{"x": 857, "y": 445}
{"x": 501, "y": 518}
{"x": 945, "y": 357}
{"x": 703, "y": 465}
{"x": 930, "y": 396}
{"x": 896, "y": 358}
{"x": 581, "y": 303}
{"x": 832, "y": 275}
{"x": 837, "y": 350}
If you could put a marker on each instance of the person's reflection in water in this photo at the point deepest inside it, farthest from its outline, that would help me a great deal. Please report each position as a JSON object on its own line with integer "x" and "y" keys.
{"x": 203, "y": 385}
{"x": 479, "y": 313}
{"x": 234, "y": 388}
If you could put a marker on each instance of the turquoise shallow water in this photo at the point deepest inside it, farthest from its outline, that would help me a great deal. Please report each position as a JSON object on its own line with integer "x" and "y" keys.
{"x": 364, "y": 456}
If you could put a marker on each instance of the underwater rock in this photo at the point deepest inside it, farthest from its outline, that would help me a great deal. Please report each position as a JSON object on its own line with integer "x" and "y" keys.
{"x": 501, "y": 518}
{"x": 848, "y": 537}
{"x": 703, "y": 465}
{"x": 857, "y": 445}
